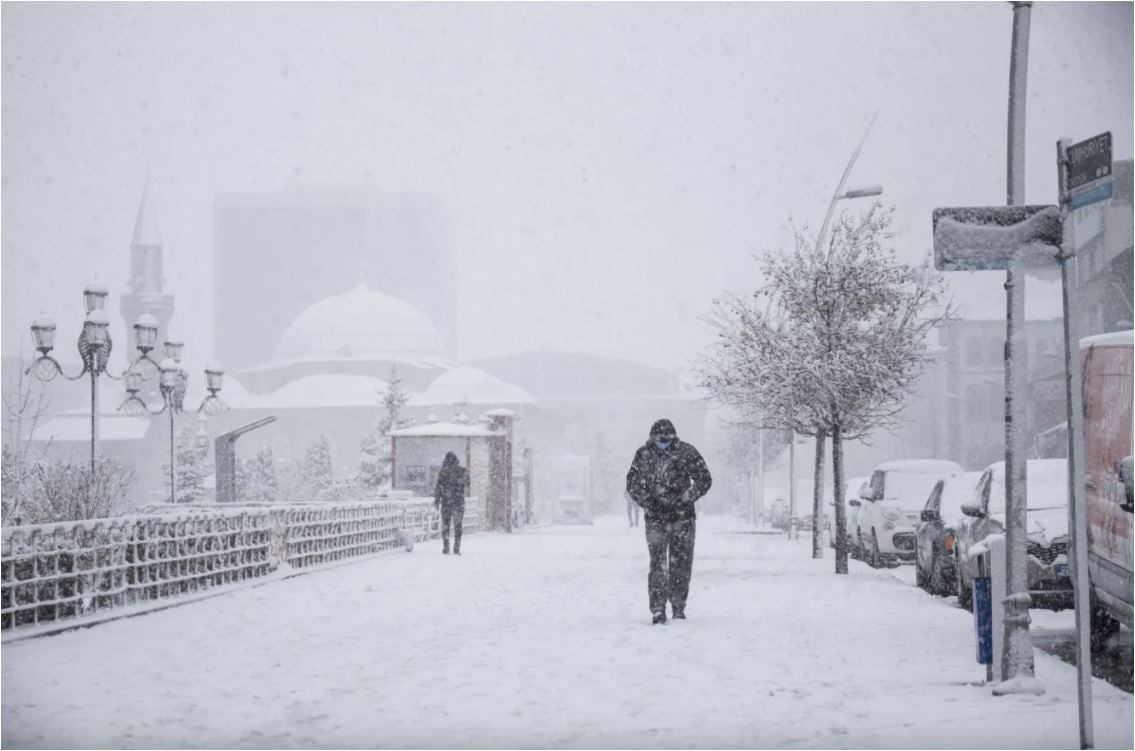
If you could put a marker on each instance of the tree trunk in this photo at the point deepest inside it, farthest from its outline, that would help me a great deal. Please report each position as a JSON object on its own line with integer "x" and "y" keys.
{"x": 818, "y": 498}
{"x": 840, "y": 518}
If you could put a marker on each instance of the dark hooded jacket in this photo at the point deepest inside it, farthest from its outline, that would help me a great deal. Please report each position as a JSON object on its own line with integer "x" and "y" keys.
{"x": 667, "y": 482}
{"x": 451, "y": 481}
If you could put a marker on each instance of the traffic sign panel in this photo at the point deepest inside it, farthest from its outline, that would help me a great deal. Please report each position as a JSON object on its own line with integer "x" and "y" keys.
{"x": 1089, "y": 163}
{"x": 1100, "y": 192}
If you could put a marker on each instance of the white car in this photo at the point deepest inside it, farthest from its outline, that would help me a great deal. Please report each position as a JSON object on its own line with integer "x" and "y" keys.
{"x": 890, "y": 506}
{"x": 851, "y": 514}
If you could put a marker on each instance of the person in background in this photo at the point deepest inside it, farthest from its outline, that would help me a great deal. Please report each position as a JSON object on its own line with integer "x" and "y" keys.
{"x": 449, "y": 497}
{"x": 666, "y": 478}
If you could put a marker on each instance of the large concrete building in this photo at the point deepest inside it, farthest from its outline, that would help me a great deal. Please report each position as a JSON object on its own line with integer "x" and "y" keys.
{"x": 296, "y": 247}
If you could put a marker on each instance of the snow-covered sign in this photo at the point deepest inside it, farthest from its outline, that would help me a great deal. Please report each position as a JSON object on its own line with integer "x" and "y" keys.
{"x": 1089, "y": 176}
{"x": 988, "y": 238}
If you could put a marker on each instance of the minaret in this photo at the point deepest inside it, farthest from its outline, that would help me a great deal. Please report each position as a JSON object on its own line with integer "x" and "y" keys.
{"x": 145, "y": 284}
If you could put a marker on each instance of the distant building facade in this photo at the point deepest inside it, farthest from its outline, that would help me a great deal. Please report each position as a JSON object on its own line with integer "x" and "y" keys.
{"x": 1102, "y": 236}
{"x": 304, "y": 245}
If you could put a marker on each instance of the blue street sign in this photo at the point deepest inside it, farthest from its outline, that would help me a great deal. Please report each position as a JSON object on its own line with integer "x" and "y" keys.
{"x": 1093, "y": 195}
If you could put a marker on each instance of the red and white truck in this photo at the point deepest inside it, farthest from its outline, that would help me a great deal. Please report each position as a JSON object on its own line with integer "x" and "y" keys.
{"x": 1107, "y": 387}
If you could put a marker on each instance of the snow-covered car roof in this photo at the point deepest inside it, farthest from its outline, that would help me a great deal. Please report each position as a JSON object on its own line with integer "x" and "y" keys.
{"x": 1047, "y": 486}
{"x": 920, "y": 466}
{"x": 1113, "y": 339}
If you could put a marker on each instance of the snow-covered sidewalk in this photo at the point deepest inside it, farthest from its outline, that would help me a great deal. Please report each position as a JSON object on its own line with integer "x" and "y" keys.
{"x": 542, "y": 639}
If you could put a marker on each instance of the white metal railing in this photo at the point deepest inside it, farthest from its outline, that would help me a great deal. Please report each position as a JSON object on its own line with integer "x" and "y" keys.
{"x": 52, "y": 573}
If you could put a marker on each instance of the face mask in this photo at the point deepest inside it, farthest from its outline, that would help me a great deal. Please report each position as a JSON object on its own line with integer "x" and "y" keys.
{"x": 663, "y": 442}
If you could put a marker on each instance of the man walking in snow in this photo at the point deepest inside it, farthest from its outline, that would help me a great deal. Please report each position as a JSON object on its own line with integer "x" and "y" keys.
{"x": 449, "y": 497}
{"x": 666, "y": 478}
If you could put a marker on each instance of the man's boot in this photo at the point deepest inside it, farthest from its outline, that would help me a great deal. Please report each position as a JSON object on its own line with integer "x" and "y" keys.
{"x": 659, "y": 618}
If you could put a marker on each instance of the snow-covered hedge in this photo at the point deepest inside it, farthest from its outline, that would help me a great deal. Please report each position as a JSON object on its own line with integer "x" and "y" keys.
{"x": 53, "y": 573}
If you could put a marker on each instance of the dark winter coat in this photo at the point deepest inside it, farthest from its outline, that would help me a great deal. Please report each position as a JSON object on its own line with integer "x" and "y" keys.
{"x": 667, "y": 482}
{"x": 451, "y": 481}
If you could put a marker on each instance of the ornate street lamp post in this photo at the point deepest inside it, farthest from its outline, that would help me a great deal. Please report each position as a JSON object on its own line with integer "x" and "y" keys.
{"x": 172, "y": 381}
{"x": 94, "y": 351}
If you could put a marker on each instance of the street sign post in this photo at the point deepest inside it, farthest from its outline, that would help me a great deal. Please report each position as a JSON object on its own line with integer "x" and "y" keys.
{"x": 1073, "y": 163}
{"x": 1087, "y": 172}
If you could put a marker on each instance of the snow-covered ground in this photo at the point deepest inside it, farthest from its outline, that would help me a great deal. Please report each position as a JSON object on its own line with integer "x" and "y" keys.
{"x": 542, "y": 639}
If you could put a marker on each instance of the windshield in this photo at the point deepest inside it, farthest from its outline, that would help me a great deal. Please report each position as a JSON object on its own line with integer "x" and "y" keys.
{"x": 1048, "y": 487}
{"x": 907, "y": 490}
{"x": 958, "y": 490}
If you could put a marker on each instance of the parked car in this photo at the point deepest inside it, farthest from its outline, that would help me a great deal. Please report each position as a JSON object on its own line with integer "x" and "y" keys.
{"x": 1107, "y": 388}
{"x": 804, "y": 523}
{"x": 936, "y": 531}
{"x": 1049, "y": 583}
{"x": 889, "y": 507}
{"x": 851, "y": 514}
{"x": 777, "y": 514}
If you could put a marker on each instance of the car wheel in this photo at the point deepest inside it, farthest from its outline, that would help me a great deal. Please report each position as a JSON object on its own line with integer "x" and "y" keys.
{"x": 965, "y": 595}
{"x": 920, "y": 577}
{"x": 935, "y": 584}
{"x": 876, "y": 558}
{"x": 1103, "y": 627}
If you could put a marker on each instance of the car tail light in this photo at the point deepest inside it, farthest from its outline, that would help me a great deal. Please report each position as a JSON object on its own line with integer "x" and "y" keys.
{"x": 949, "y": 545}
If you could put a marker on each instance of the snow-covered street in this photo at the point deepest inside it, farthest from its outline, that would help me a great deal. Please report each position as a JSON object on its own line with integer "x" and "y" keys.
{"x": 542, "y": 639}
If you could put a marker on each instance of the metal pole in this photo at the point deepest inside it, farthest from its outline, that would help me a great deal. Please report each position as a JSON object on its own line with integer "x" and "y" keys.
{"x": 94, "y": 415}
{"x": 760, "y": 497}
{"x": 172, "y": 455}
{"x": 94, "y": 432}
{"x": 1017, "y": 661}
{"x": 1077, "y": 513}
{"x": 842, "y": 183}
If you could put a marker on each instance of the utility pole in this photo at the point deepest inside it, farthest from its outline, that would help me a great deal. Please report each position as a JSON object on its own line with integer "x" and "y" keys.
{"x": 1017, "y": 661}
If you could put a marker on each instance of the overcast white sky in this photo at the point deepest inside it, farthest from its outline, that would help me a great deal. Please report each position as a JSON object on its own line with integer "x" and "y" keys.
{"x": 610, "y": 167}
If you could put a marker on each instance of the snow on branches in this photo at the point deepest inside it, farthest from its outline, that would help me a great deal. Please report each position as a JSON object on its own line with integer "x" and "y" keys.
{"x": 835, "y": 336}
{"x": 833, "y": 342}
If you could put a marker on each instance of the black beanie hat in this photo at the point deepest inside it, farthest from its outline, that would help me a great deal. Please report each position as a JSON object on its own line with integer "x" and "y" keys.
{"x": 663, "y": 427}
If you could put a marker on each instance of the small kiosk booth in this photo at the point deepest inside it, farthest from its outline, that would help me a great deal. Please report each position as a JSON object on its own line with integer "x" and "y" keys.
{"x": 484, "y": 448}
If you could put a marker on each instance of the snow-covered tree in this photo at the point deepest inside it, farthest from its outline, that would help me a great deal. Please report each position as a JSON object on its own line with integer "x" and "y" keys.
{"x": 24, "y": 407}
{"x": 256, "y": 477}
{"x": 192, "y": 466}
{"x": 830, "y": 346}
{"x": 318, "y": 471}
{"x": 375, "y": 460}
{"x": 394, "y": 402}
{"x": 608, "y": 478}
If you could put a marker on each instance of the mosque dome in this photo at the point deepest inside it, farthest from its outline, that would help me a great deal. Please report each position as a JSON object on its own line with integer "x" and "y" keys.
{"x": 468, "y": 384}
{"x": 358, "y": 323}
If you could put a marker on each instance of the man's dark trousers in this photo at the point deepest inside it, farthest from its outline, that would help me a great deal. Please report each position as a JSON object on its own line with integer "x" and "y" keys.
{"x": 456, "y": 516}
{"x": 671, "y": 546}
